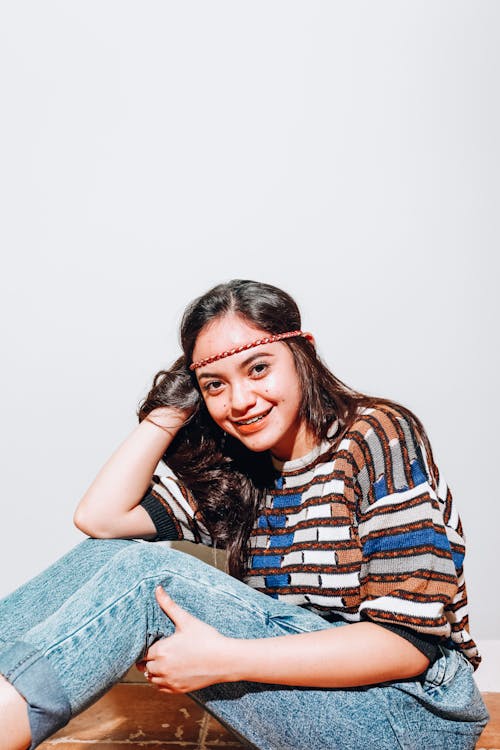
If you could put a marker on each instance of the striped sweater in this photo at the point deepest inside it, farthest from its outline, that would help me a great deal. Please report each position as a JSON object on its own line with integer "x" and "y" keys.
{"x": 370, "y": 533}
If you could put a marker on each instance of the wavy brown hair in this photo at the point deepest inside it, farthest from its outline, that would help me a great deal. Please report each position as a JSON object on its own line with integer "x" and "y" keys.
{"x": 228, "y": 480}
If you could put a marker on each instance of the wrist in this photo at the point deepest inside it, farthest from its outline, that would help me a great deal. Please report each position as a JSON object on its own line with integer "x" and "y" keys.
{"x": 167, "y": 419}
{"x": 232, "y": 661}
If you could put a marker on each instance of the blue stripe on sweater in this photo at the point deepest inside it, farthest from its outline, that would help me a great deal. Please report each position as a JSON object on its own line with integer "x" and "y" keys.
{"x": 458, "y": 559}
{"x": 285, "y": 501}
{"x": 408, "y": 540}
{"x": 417, "y": 474}
{"x": 277, "y": 522}
{"x": 380, "y": 488}
{"x": 266, "y": 561}
{"x": 283, "y": 540}
{"x": 271, "y": 522}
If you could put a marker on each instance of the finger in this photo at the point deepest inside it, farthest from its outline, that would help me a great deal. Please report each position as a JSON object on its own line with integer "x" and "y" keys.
{"x": 161, "y": 684}
{"x": 148, "y": 674}
{"x": 174, "y": 611}
{"x": 156, "y": 648}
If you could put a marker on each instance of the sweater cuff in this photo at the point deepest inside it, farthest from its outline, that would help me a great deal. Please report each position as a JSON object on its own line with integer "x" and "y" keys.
{"x": 426, "y": 644}
{"x": 164, "y": 525}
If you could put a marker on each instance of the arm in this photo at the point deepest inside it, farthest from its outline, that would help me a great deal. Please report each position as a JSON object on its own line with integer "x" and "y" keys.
{"x": 362, "y": 653}
{"x": 197, "y": 655}
{"x": 110, "y": 507}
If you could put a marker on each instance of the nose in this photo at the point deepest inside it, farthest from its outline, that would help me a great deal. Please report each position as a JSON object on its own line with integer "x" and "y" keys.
{"x": 242, "y": 397}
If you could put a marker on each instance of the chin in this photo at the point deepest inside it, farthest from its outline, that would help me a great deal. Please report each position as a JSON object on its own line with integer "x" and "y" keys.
{"x": 259, "y": 444}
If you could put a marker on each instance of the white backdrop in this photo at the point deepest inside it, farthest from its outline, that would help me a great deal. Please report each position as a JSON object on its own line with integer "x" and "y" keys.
{"x": 348, "y": 152}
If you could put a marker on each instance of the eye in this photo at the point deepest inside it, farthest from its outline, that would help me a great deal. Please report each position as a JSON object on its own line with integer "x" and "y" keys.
{"x": 212, "y": 386}
{"x": 259, "y": 369}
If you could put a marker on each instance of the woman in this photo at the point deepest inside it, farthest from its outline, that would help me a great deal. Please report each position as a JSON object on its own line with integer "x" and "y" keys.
{"x": 343, "y": 621}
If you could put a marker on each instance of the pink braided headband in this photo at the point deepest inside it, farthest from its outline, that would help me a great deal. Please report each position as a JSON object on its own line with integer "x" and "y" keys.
{"x": 238, "y": 349}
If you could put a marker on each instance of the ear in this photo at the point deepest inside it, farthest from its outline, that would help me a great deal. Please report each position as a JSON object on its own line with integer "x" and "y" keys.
{"x": 310, "y": 338}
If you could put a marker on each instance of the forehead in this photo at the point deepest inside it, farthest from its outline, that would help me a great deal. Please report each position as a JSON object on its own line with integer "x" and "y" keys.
{"x": 224, "y": 334}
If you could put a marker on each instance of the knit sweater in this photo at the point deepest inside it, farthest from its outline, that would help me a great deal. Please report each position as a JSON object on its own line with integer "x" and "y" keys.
{"x": 370, "y": 532}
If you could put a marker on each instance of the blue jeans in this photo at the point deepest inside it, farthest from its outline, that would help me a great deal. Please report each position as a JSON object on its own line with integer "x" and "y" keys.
{"x": 73, "y": 631}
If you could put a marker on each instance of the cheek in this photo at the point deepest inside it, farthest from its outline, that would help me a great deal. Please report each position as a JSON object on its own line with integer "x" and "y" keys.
{"x": 216, "y": 410}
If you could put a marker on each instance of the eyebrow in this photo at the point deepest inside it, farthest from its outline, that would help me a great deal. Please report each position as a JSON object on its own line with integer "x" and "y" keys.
{"x": 243, "y": 364}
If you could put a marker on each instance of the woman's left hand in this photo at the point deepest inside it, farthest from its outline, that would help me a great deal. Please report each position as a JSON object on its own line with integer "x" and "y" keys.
{"x": 195, "y": 656}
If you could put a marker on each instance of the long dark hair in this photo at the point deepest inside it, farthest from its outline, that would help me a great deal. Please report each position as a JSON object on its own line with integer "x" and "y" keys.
{"x": 229, "y": 481}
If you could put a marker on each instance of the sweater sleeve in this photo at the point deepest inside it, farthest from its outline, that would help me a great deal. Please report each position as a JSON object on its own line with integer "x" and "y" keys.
{"x": 411, "y": 558}
{"x": 173, "y": 509}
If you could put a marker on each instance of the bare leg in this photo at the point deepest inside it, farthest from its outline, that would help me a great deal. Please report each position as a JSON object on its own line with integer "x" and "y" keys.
{"x": 15, "y": 734}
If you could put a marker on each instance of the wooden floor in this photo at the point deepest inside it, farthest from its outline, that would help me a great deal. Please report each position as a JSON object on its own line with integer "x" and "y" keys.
{"x": 490, "y": 738}
{"x": 138, "y": 717}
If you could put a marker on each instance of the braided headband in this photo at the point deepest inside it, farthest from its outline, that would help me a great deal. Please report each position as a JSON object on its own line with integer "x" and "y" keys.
{"x": 238, "y": 349}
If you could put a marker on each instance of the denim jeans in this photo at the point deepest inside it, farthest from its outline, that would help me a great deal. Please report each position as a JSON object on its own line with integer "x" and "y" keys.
{"x": 73, "y": 631}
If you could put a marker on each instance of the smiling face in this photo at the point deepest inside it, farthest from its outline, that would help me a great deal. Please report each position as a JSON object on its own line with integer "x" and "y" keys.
{"x": 254, "y": 395}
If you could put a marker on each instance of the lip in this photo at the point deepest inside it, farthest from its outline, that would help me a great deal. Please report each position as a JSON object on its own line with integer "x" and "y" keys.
{"x": 247, "y": 429}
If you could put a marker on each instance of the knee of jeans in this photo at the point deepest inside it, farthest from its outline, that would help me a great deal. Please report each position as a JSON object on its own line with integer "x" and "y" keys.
{"x": 143, "y": 560}
{"x": 100, "y": 549}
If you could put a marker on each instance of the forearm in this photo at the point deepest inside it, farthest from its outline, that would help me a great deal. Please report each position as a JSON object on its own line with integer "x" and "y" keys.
{"x": 348, "y": 656}
{"x": 119, "y": 486}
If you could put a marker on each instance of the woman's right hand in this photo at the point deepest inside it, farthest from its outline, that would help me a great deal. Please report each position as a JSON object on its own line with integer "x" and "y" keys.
{"x": 173, "y": 393}
{"x": 169, "y": 419}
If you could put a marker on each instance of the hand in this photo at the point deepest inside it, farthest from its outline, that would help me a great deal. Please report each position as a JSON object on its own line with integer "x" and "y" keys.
{"x": 174, "y": 393}
{"x": 195, "y": 656}
{"x": 169, "y": 417}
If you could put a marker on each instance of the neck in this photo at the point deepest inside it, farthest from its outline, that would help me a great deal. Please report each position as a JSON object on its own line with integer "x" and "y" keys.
{"x": 303, "y": 443}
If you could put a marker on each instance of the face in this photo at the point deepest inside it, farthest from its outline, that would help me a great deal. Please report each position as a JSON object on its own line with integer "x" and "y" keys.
{"x": 255, "y": 395}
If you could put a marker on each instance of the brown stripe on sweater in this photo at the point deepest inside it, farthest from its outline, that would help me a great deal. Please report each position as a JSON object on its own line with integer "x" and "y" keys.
{"x": 383, "y": 428}
{"x": 427, "y": 622}
{"x": 403, "y": 553}
{"x": 425, "y": 575}
{"x": 376, "y": 510}
{"x": 423, "y": 525}
{"x": 412, "y": 589}
{"x": 397, "y": 420}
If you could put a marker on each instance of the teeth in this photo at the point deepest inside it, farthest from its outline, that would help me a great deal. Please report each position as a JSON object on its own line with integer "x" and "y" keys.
{"x": 251, "y": 421}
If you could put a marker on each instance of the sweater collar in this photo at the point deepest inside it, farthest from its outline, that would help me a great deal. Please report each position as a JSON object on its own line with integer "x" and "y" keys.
{"x": 305, "y": 462}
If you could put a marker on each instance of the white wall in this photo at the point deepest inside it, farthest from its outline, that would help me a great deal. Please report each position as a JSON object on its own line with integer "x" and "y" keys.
{"x": 348, "y": 152}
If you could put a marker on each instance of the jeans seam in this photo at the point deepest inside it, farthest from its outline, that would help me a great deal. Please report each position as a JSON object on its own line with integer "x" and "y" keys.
{"x": 19, "y": 664}
{"x": 93, "y": 618}
{"x": 242, "y": 601}
{"x": 225, "y": 592}
{"x": 287, "y": 626}
{"x": 394, "y": 717}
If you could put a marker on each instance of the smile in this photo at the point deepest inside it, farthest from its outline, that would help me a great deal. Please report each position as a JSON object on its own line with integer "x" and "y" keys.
{"x": 252, "y": 420}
